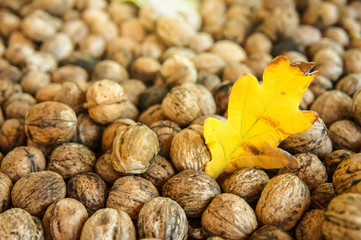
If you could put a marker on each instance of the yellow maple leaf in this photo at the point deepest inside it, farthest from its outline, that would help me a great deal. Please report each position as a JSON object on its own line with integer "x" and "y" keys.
{"x": 259, "y": 117}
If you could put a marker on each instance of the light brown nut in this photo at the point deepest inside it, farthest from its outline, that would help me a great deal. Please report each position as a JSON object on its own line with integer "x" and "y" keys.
{"x": 347, "y": 176}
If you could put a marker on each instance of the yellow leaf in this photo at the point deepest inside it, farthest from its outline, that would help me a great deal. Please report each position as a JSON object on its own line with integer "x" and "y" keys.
{"x": 259, "y": 117}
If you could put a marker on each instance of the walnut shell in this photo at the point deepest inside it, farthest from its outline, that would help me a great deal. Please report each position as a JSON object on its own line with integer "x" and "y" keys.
{"x": 64, "y": 219}
{"x": 89, "y": 189}
{"x": 322, "y": 195}
{"x": 5, "y": 191}
{"x": 129, "y": 194}
{"x": 18, "y": 104}
{"x": 129, "y": 159}
{"x": 108, "y": 223}
{"x": 247, "y": 183}
{"x": 345, "y": 134}
{"x": 22, "y": 160}
{"x": 192, "y": 190}
{"x": 333, "y": 159}
{"x": 356, "y": 110}
{"x": 270, "y": 232}
{"x": 112, "y": 129}
{"x": 310, "y": 170}
{"x": 159, "y": 171}
{"x": 50, "y": 123}
{"x": 314, "y": 140}
{"x": 188, "y": 149}
{"x": 152, "y": 95}
{"x": 104, "y": 168}
{"x": 205, "y": 99}
{"x": 165, "y": 130}
{"x": 89, "y": 132}
{"x": 12, "y": 134}
{"x": 349, "y": 83}
{"x": 162, "y": 218}
{"x": 180, "y": 105}
{"x": 283, "y": 201}
{"x": 310, "y": 225}
{"x": 347, "y": 176}
{"x": 70, "y": 159}
{"x": 17, "y": 223}
{"x": 72, "y": 95}
{"x": 36, "y": 191}
{"x": 69, "y": 73}
{"x": 145, "y": 69}
{"x": 342, "y": 217}
{"x": 111, "y": 70}
{"x": 32, "y": 81}
{"x": 225, "y": 206}
{"x": 151, "y": 115}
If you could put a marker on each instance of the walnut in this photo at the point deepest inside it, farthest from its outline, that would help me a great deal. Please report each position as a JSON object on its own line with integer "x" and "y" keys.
{"x": 295, "y": 56}
{"x": 9, "y": 22}
{"x": 247, "y": 183}
{"x": 162, "y": 218}
{"x": 321, "y": 15}
{"x": 48, "y": 92}
{"x": 126, "y": 158}
{"x": 69, "y": 73}
{"x": 314, "y": 140}
{"x": 320, "y": 85}
{"x": 173, "y": 30}
{"x": 324, "y": 43}
{"x": 351, "y": 60}
{"x": 111, "y": 70}
{"x": 104, "y": 168}
{"x": 349, "y": 84}
{"x": 108, "y": 223}
{"x": 174, "y": 51}
{"x": 310, "y": 225}
{"x": 221, "y": 96}
{"x": 50, "y": 123}
{"x": 7, "y": 89}
{"x": 337, "y": 34}
{"x": 130, "y": 193}
{"x": 89, "y": 189}
{"x": 332, "y": 106}
{"x": 64, "y": 219}
{"x": 92, "y": 44}
{"x": 38, "y": 190}
{"x": 151, "y": 96}
{"x": 39, "y": 25}
{"x": 18, "y": 104}
{"x": 112, "y": 129}
{"x": 307, "y": 99}
{"x": 205, "y": 100}
{"x": 322, "y": 195}
{"x": 306, "y": 34}
{"x": 346, "y": 176}
{"x": 229, "y": 206}
{"x": 17, "y": 223}
{"x": 120, "y": 12}
{"x": 41, "y": 61}
{"x": 269, "y": 231}
{"x": 209, "y": 62}
{"x": 345, "y": 134}
{"x": 89, "y": 133}
{"x": 133, "y": 28}
{"x": 283, "y": 201}
{"x": 148, "y": 49}
{"x": 257, "y": 62}
{"x": 229, "y": 51}
{"x": 22, "y": 160}
{"x": 144, "y": 68}
{"x": 165, "y": 130}
{"x": 72, "y": 95}
{"x": 333, "y": 159}
{"x": 151, "y": 115}
{"x": 234, "y": 70}
{"x": 76, "y": 29}
{"x": 59, "y": 45}
{"x": 178, "y": 69}
{"x": 11, "y": 73}
{"x": 32, "y": 81}
{"x": 17, "y": 54}
{"x": 201, "y": 42}
{"x": 5, "y": 191}
{"x": 258, "y": 42}
{"x": 201, "y": 120}
{"x": 106, "y": 28}
{"x": 70, "y": 159}
{"x": 329, "y": 64}
{"x": 350, "y": 25}
{"x": 209, "y": 80}
{"x": 214, "y": 17}
{"x": 133, "y": 88}
{"x": 341, "y": 217}
{"x": 105, "y": 101}
{"x": 192, "y": 190}
{"x": 12, "y": 134}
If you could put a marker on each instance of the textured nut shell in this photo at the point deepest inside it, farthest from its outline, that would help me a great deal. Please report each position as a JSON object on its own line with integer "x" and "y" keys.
{"x": 159, "y": 171}
{"x": 112, "y": 129}
{"x": 22, "y": 160}
{"x": 347, "y": 177}
{"x": 107, "y": 113}
{"x": 192, "y": 190}
{"x": 188, "y": 149}
{"x": 333, "y": 159}
{"x": 19, "y": 224}
{"x": 180, "y": 105}
{"x": 5, "y": 191}
{"x": 64, "y": 219}
{"x": 72, "y": 95}
{"x": 310, "y": 225}
{"x": 311, "y": 140}
{"x": 247, "y": 183}
{"x": 70, "y": 159}
{"x": 151, "y": 115}
{"x": 108, "y": 223}
{"x": 129, "y": 159}
{"x": 178, "y": 69}
{"x": 104, "y": 168}
{"x": 89, "y": 132}
{"x": 89, "y": 189}
{"x": 322, "y": 195}
{"x": 310, "y": 170}
{"x": 50, "y": 123}
{"x": 165, "y": 130}
{"x": 129, "y": 194}
{"x": 36, "y": 191}
{"x": 270, "y": 232}
{"x": 342, "y": 218}
{"x": 345, "y": 134}
{"x": 205, "y": 99}
{"x": 283, "y": 201}
{"x": 229, "y": 216}
{"x": 356, "y": 107}
{"x": 162, "y": 218}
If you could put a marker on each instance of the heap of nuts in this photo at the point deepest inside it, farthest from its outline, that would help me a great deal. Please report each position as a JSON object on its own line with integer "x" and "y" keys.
{"x": 102, "y": 105}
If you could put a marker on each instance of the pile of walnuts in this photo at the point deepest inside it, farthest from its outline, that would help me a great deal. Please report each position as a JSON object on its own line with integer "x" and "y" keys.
{"x": 102, "y": 105}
